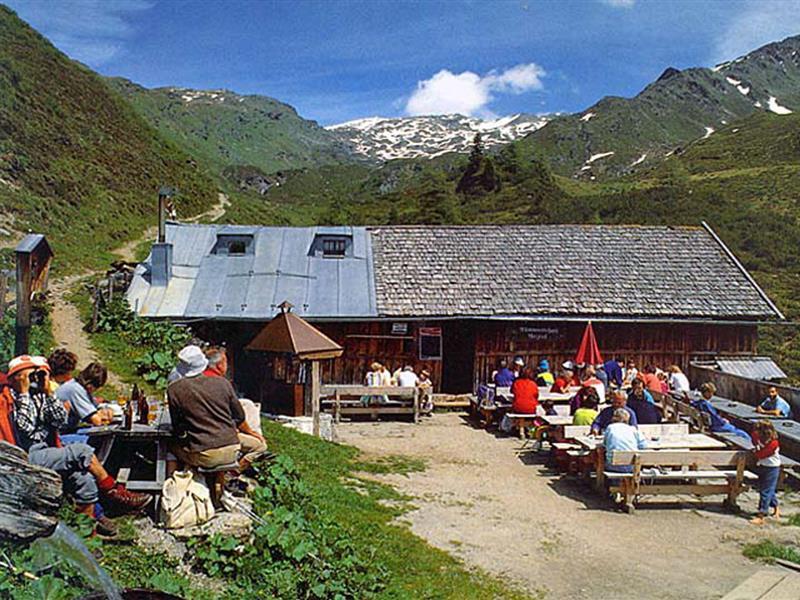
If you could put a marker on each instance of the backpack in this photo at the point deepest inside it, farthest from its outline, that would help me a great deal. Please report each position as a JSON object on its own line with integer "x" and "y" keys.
{"x": 185, "y": 501}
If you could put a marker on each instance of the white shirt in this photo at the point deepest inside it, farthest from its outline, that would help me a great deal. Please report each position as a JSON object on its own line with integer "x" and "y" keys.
{"x": 679, "y": 382}
{"x": 407, "y": 379}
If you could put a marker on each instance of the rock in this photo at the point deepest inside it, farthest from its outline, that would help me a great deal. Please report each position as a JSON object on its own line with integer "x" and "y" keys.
{"x": 30, "y": 497}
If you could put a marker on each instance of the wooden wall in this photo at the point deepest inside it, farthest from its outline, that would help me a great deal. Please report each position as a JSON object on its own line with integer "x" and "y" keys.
{"x": 660, "y": 344}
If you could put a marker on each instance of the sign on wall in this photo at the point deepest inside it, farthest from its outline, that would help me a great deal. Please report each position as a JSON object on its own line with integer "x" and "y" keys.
{"x": 540, "y": 334}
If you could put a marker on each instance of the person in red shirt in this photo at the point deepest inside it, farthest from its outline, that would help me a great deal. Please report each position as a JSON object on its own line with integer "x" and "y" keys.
{"x": 562, "y": 382}
{"x": 525, "y": 392}
{"x": 651, "y": 381}
{"x": 766, "y": 450}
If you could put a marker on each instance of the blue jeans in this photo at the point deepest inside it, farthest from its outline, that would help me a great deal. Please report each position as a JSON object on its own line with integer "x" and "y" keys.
{"x": 72, "y": 463}
{"x": 767, "y": 486}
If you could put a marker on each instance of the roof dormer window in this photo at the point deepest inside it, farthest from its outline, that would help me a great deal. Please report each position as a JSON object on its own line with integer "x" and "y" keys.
{"x": 233, "y": 245}
{"x": 331, "y": 246}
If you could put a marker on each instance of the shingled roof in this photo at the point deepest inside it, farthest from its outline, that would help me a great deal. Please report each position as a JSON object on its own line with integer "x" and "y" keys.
{"x": 562, "y": 270}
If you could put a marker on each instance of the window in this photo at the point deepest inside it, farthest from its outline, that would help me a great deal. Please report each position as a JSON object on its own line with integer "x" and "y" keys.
{"x": 334, "y": 248}
{"x": 233, "y": 245}
{"x": 430, "y": 343}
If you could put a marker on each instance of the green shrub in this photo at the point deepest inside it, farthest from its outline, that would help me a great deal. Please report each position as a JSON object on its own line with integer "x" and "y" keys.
{"x": 295, "y": 553}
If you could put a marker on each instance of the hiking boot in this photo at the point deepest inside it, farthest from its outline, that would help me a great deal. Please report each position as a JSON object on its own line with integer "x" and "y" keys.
{"x": 105, "y": 527}
{"x": 127, "y": 500}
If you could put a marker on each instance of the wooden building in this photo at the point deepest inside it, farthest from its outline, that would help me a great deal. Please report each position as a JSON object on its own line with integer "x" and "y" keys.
{"x": 455, "y": 300}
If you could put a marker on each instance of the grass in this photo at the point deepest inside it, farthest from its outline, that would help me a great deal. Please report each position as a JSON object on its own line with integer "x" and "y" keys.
{"x": 416, "y": 570}
{"x": 768, "y": 551}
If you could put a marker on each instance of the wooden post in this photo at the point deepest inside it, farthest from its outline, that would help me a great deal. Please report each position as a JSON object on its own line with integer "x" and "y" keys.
{"x": 416, "y": 405}
{"x": 337, "y": 406}
{"x": 23, "y": 326}
{"x": 315, "y": 390}
{"x": 3, "y": 292}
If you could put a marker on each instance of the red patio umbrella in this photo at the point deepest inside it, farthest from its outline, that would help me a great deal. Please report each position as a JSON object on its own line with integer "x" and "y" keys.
{"x": 588, "y": 352}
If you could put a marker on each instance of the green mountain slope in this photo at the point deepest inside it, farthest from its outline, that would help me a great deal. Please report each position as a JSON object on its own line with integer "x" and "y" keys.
{"x": 76, "y": 162}
{"x": 224, "y": 129}
{"x": 616, "y": 135}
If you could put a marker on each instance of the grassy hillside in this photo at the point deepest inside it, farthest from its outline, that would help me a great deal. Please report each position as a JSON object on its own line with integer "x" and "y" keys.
{"x": 76, "y": 162}
{"x": 680, "y": 106}
{"x": 222, "y": 128}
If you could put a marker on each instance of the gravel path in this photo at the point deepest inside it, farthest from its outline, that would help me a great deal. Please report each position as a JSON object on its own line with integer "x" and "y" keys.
{"x": 483, "y": 502}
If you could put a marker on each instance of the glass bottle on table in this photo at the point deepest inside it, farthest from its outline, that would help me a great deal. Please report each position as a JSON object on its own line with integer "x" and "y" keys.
{"x": 129, "y": 411}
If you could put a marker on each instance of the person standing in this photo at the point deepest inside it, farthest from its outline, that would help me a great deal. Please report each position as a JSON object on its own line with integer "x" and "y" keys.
{"x": 773, "y": 404}
{"x": 613, "y": 369}
{"x": 766, "y": 450}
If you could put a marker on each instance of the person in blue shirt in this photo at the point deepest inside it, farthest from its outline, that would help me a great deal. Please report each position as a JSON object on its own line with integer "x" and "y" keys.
{"x": 773, "y": 404}
{"x": 504, "y": 376}
{"x": 613, "y": 369}
{"x": 640, "y": 401}
{"x": 603, "y": 420}
{"x": 622, "y": 436}
{"x": 719, "y": 424}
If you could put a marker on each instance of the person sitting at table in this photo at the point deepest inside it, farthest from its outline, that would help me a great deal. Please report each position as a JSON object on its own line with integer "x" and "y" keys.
{"x": 544, "y": 377}
{"x": 601, "y": 374}
{"x": 719, "y": 424}
{"x": 562, "y": 382}
{"x": 78, "y": 393}
{"x": 205, "y": 414}
{"x": 678, "y": 382}
{"x": 590, "y": 379}
{"x": 587, "y": 413}
{"x": 631, "y": 373}
{"x": 773, "y": 404}
{"x": 503, "y": 377}
{"x": 618, "y": 401}
{"x": 579, "y": 399}
{"x": 651, "y": 381}
{"x": 37, "y": 417}
{"x": 640, "y": 401}
{"x": 613, "y": 369}
{"x": 621, "y": 435}
{"x": 525, "y": 392}
{"x": 519, "y": 365}
{"x": 252, "y": 442}
{"x": 62, "y": 364}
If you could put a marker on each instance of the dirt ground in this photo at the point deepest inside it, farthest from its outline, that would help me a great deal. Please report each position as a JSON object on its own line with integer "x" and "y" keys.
{"x": 503, "y": 511}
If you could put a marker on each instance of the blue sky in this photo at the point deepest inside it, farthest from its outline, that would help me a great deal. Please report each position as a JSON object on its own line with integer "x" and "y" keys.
{"x": 340, "y": 60}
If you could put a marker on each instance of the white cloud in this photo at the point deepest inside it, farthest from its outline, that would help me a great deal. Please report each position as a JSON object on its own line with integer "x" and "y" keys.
{"x": 468, "y": 93}
{"x": 92, "y": 31}
{"x": 619, "y": 3}
{"x": 760, "y": 22}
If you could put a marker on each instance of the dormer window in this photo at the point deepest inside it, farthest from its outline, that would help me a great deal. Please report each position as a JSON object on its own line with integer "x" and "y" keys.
{"x": 233, "y": 245}
{"x": 328, "y": 245}
{"x": 334, "y": 248}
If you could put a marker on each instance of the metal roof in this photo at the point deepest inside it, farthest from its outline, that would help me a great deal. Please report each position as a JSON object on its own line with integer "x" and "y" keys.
{"x": 758, "y": 367}
{"x": 498, "y": 272}
{"x": 249, "y": 287}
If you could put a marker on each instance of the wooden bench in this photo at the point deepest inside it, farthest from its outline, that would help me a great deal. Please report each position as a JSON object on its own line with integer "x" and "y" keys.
{"x": 677, "y": 472}
{"x": 346, "y": 400}
{"x": 676, "y": 410}
{"x": 767, "y": 584}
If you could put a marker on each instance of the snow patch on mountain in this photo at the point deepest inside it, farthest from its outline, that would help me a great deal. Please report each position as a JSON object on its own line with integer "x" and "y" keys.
{"x": 709, "y": 131}
{"x": 431, "y": 136}
{"x": 588, "y": 116}
{"x": 598, "y": 156}
{"x": 773, "y": 106}
{"x": 639, "y": 160}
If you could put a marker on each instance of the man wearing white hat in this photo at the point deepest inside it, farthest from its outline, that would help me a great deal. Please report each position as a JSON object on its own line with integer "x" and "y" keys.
{"x": 205, "y": 412}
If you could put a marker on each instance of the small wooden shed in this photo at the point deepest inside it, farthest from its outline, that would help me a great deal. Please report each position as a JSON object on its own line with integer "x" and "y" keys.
{"x": 289, "y": 334}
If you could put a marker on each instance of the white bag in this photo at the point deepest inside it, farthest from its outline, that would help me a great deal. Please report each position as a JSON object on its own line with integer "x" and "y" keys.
{"x": 185, "y": 501}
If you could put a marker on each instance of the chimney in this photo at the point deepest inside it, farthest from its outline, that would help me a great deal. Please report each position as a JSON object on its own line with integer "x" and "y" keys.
{"x": 161, "y": 253}
{"x": 160, "y": 264}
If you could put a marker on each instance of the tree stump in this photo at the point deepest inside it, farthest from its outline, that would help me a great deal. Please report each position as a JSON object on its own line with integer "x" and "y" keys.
{"x": 30, "y": 497}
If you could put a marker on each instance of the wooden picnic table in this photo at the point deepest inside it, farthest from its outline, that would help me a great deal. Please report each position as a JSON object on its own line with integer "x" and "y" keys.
{"x": 687, "y": 441}
{"x": 158, "y": 433}
{"x": 557, "y": 420}
{"x": 740, "y": 410}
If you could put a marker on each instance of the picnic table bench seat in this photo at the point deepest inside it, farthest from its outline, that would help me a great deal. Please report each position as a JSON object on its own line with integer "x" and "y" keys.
{"x": 346, "y": 400}
{"x": 658, "y": 472}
